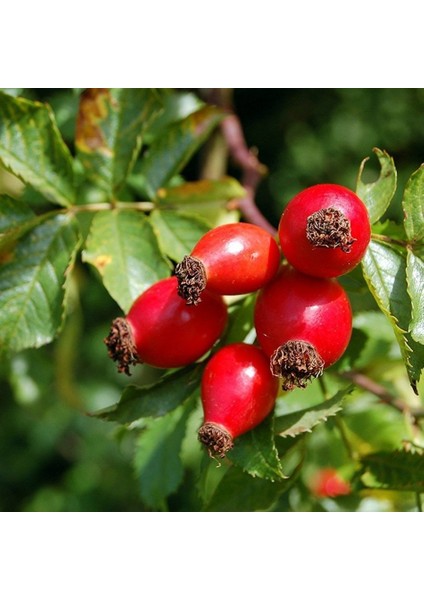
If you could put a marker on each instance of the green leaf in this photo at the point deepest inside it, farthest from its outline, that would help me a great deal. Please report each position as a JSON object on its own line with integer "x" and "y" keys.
{"x": 385, "y": 273}
{"x": 124, "y": 249}
{"x": 255, "y": 452}
{"x": 302, "y": 421}
{"x": 169, "y": 153}
{"x": 390, "y": 229}
{"x": 110, "y": 126}
{"x": 415, "y": 278}
{"x": 13, "y": 213}
{"x": 239, "y": 492}
{"x": 205, "y": 191}
{"x": 378, "y": 194}
{"x": 157, "y": 461}
{"x": 16, "y": 218}
{"x": 176, "y": 106}
{"x": 413, "y": 206}
{"x": 399, "y": 470}
{"x": 177, "y": 232}
{"x": 241, "y": 320}
{"x": 375, "y": 426}
{"x": 153, "y": 400}
{"x": 32, "y": 148}
{"x": 32, "y": 284}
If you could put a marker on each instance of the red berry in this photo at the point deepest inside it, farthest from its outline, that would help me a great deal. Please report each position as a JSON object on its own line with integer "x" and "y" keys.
{"x": 237, "y": 258}
{"x": 327, "y": 483}
{"x": 325, "y": 230}
{"x": 162, "y": 331}
{"x": 303, "y": 323}
{"x": 238, "y": 391}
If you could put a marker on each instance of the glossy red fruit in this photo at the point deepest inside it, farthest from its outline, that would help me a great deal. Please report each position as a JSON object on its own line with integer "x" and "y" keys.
{"x": 325, "y": 230}
{"x": 162, "y": 331}
{"x": 237, "y": 258}
{"x": 238, "y": 391}
{"x": 303, "y": 324}
{"x": 327, "y": 483}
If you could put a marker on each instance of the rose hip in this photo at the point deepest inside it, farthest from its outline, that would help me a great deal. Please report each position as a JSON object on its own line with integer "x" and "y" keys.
{"x": 162, "y": 331}
{"x": 236, "y": 258}
{"x": 303, "y": 324}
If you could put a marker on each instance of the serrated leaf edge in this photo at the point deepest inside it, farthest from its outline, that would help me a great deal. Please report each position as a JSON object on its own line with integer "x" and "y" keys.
{"x": 399, "y": 332}
{"x": 380, "y": 155}
{"x": 322, "y": 419}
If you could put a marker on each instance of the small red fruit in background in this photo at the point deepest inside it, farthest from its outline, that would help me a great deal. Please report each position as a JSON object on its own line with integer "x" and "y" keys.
{"x": 325, "y": 230}
{"x": 303, "y": 324}
{"x": 237, "y": 258}
{"x": 327, "y": 483}
{"x": 162, "y": 331}
{"x": 238, "y": 391}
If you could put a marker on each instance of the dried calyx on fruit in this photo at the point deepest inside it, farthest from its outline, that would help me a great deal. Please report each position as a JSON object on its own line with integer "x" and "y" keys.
{"x": 325, "y": 230}
{"x": 236, "y": 258}
{"x": 162, "y": 331}
{"x": 238, "y": 391}
{"x": 303, "y": 324}
{"x": 296, "y": 362}
{"x": 329, "y": 228}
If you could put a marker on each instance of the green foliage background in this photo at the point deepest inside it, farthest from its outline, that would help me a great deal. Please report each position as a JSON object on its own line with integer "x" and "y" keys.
{"x": 55, "y": 457}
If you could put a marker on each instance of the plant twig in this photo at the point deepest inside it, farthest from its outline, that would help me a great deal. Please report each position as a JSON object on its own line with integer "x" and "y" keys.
{"x": 100, "y": 206}
{"x": 386, "y": 397}
{"x": 252, "y": 169}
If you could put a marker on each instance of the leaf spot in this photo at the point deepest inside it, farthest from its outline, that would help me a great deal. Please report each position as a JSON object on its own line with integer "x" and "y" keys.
{"x": 102, "y": 261}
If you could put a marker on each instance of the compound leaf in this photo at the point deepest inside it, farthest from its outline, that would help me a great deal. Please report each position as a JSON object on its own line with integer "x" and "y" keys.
{"x": 378, "y": 194}
{"x": 239, "y": 492}
{"x": 153, "y": 400}
{"x": 157, "y": 461}
{"x": 177, "y": 232}
{"x": 124, "y": 249}
{"x": 16, "y": 218}
{"x": 32, "y": 283}
{"x": 13, "y": 213}
{"x": 385, "y": 273}
{"x": 255, "y": 452}
{"x": 170, "y": 152}
{"x": 110, "y": 126}
{"x": 205, "y": 191}
{"x": 413, "y": 206}
{"x": 32, "y": 148}
{"x": 415, "y": 278}
{"x": 302, "y": 421}
{"x": 399, "y": 470}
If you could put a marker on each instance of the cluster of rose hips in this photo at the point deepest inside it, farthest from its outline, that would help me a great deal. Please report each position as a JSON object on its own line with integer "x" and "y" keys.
{"x": 302, "y": 317}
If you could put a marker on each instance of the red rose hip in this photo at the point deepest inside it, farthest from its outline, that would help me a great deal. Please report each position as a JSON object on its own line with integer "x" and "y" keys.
{"x": 236, "y": 258}
{"x": 325, "y": 230}
{"x": 162, "y": 331}
{"x": 303, "y": 324}
{"x": 327, "y": 483}
{"x": 238, "y": 391}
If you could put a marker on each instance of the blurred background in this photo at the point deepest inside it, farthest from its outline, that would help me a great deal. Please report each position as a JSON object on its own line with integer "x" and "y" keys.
{"x": 53, "y": 456}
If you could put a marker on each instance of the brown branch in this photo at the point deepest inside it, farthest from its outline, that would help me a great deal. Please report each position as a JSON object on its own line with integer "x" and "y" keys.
{"x": 384, "y": 396}
{"x": 252, "y": 169}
